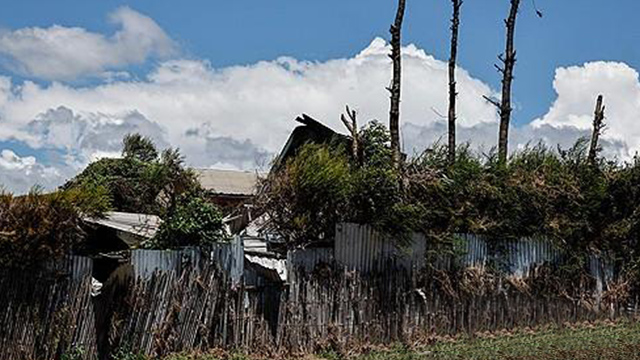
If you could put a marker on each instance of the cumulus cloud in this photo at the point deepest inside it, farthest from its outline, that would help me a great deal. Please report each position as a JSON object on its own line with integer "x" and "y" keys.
{"x": 236, "y": 116}
{"x": 483, "y": 138}
{"x": 64, "y": 53}
{"x": 22, "y": 173}
{"x": 10, "y": 161}
{"x": 87, "y": 137}
{"x": 578, "y": 87}
{"x": 240, "y": 116}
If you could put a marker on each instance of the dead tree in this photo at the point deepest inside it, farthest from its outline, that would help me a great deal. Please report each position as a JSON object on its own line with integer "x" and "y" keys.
{"x": 396, "y": 57}
{"x": 598, "y": 126}
{"x": 352, "y": 126}
{"x": 455, "y": 25}
{"x": 508, "y": 60}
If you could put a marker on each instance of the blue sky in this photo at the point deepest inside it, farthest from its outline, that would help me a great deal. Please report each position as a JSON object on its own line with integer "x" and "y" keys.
{"x": 246, "y": 31}
{"x": 212, "y": 38}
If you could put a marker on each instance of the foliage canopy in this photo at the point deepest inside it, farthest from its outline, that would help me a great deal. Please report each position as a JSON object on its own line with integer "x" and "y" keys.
{"x": 557, "y": 194}
{"x": 145, "y": 180}
{"x": 38, "y": 227}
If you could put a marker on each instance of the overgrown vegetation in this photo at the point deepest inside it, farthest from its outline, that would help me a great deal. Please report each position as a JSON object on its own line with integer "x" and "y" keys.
{"x": 323, "y": 185}
{"x": 586, "y": 341}
{"x": 193, "y": 222}
{"x": 557, "y": 194}
{"x": 38, "y": 227}
{"x": 145, "y": 180}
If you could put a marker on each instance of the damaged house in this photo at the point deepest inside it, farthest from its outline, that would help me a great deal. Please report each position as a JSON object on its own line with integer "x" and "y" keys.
{"x": 256, "y": 253}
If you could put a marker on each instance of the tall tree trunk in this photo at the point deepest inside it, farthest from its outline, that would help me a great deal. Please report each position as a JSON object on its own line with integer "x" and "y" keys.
{"x": 598, "y": 125}
{"x": 509, "y": 62}
{"x": 455, "y": 24}
{"x": 394, "y": 112}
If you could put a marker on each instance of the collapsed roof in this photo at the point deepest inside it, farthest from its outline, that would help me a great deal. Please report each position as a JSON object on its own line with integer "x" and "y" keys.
{"x": 311, "y": 131}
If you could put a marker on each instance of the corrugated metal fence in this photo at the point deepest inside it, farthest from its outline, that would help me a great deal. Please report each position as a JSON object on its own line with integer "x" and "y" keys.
{"x": 515, "y": 257}
{"x": 362, "y": 248}
{"x": 229, "y": 256}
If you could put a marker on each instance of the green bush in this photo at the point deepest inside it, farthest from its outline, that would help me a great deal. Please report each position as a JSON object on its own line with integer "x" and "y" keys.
{"x": 307, "y": 197}
{"x": 323, "y": 185}
{"x": 36, "y": 228}
{"x": 557, "y": 194}
{"x": 193, "y": 222}
{"x": 141, "y": 181}
{"x": 151, "y": 182}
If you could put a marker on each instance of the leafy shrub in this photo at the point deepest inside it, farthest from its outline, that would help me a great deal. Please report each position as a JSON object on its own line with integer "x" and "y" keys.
{"x": 193, "y": 222}
{"x": 37, "y": 227}
{"x": 141, "y": 181}
{"x": 539, "y": 192}
{"x": 147, "y": 181}
{"x": 309, "y": 195}
{"x": 323, "y": 185}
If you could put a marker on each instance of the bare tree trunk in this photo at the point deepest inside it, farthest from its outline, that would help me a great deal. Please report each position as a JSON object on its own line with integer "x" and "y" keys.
{"x": 394, "y": 112}
{"x": 455, "y": 25}
{"x": 352, "y": 126}
{"x": 508, "y": 60}
{"x": 598, "y": 125}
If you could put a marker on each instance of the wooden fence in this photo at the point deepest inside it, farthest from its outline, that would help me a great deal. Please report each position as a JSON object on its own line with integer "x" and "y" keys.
{"x": 188, "y": 301}
{"x": 196, "y": 308}
{"x": 344, "y": 309}
{"x": 47, "y": 312}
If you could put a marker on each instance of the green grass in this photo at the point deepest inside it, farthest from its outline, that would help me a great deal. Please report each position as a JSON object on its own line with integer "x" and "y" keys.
{"x": 620, "y": 341}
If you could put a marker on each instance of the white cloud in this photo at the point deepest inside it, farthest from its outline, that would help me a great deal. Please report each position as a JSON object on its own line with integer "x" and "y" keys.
{"x": 87, "y": 137}
{"x": 578, "y": 87}
{"x": 64, "y": 53}
{"x": 21, "y": 173}
{"x": 240, "y": 116}
{"x": 10, "y": 161}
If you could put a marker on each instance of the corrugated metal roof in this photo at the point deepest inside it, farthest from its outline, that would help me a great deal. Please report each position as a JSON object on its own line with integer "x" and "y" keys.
{"x": 255, "y": 245}
{"x": 228, "y": 182}
{"x": 138, "y": 224}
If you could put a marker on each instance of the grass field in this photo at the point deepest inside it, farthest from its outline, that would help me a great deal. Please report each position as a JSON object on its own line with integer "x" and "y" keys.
{"x": 605, "y": 341}
{"x": 619, "y": 341}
